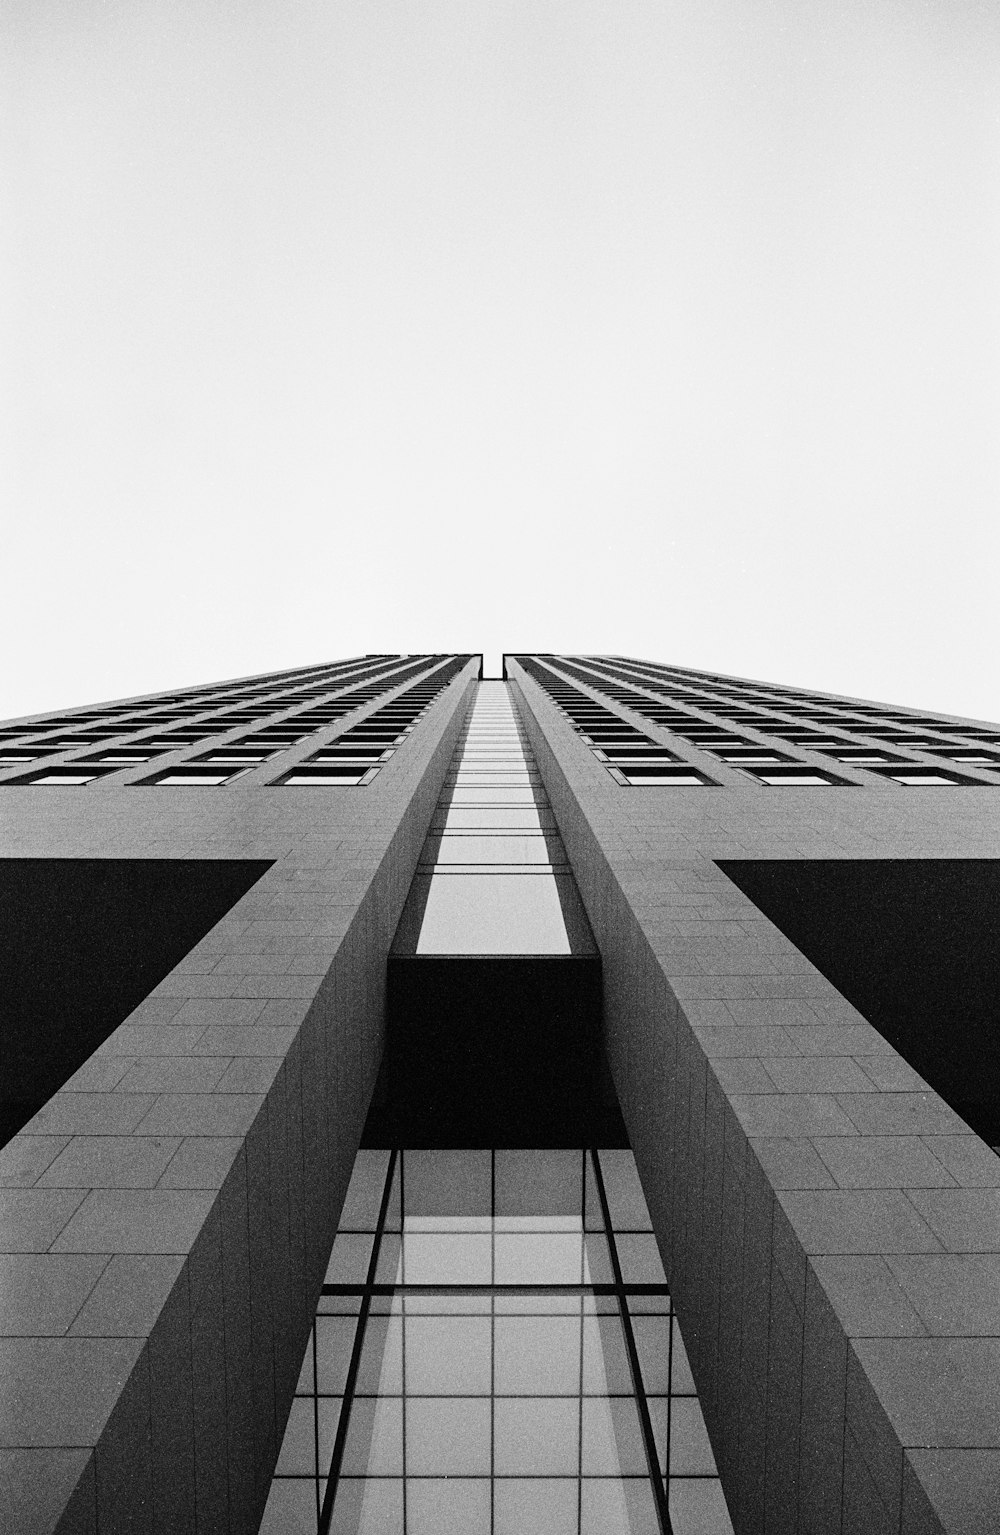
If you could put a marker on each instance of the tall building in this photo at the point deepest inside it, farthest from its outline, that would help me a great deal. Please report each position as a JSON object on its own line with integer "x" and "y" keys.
{"x": 564, "y": 1103}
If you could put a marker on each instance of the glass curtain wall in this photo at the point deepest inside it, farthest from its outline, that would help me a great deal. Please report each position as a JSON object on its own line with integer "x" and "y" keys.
{"x": 495, "y": 1354}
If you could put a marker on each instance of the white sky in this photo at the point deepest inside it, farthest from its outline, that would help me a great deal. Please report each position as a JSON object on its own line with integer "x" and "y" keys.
{"x": 658, "y": 327}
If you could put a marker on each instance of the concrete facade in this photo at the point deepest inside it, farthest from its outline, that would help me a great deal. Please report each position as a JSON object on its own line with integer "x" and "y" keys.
{"x": 830, "y": 1227}
{"x": 167, "y": 1217}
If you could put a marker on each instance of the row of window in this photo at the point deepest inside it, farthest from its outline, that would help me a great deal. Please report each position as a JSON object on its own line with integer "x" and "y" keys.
{"x": 740, "y": 750}
{"x": 90, "y": 727}
{"x": 630, "y": 757}
{"x": 197, "y": 699}
{"x": 795, "y": 703}
{"x": 352, "y": 759}
{"x": 142, "y": 747}
{"x": 636, "y": 760}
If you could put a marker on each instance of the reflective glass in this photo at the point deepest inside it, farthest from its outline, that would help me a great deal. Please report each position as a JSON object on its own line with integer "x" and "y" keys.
{"x": 501, "y": 850}
{"x": 513, "y": 818}
{"x": 490, "y": 1407}
{"x": 484, "y": 914}
{"x": 465, "y": 794}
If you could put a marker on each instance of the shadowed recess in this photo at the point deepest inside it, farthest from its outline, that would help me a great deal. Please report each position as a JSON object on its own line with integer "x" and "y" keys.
{"x": 912, "y": 943}
{"x": 82, "y": 942}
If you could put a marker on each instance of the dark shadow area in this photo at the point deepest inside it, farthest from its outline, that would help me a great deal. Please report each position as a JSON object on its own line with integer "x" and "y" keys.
{"x": 913, "y": 944}
{"x": 82, "y": 941}
{"x": 502, "y": 1052}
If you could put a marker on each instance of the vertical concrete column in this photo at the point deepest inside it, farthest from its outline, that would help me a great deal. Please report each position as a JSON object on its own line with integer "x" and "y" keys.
{"x": 166, "y": 1218}
{"x": 830, "y": 1228}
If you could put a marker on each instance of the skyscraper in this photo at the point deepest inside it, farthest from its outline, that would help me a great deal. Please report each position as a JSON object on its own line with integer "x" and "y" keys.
{"x": 563, "y": 1103}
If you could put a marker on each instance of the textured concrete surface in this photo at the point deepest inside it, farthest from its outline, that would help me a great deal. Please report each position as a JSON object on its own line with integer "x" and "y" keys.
{"x": 166, "y": 1218}
{"x": 830, "y": 1228}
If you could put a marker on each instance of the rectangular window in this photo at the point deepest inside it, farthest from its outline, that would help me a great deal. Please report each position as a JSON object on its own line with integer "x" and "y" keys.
{"x": 231, "y": 757}
{"x": 913, "y": 776}
{"x": 189, "y": 775}
{"x": 72, "y": 776}
{"x": 335, "y": 776}
{"x": 798, "y": 777}
{"x": 981, "y": 759}
{"x": 748, "y": 756}
{"x": 636, "y": 775}
{"x": 860, "y": 756}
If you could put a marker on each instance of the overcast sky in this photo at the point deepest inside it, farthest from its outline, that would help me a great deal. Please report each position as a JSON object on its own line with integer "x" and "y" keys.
{"x": 658, "y": 327}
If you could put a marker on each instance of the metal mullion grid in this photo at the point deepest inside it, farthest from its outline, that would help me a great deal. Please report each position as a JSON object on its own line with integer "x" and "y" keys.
{"x": 525, "y": 1288}
{"x": 670, "y": 1395}
{"x": 347, "y": 1400}
{"x": 402, "y": 1326}
{"x": 618, "y": 1290}
{"x": 493, "y": 1335}
{"x": 315, "y": 1349}
{"x": 582, "y": 1319}
{"x": 638, "y": 1386}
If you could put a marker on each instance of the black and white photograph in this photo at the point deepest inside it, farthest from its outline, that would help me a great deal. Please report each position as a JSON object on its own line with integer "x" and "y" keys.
{"x": 551, "y": 1088}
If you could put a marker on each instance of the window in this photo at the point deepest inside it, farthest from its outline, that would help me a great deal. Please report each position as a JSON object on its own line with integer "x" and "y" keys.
{"x": 190, "y": 775}
{"x": 74, "y": 776}
{"x": 234, "y": 757}
{"x": 626, "y": 755}
{"x": 352, "y": 754}
{"x": 637, "y": 775}
{"x": 859, "y": 755}
{"x": 913, "y": 776}
{"x": 811, "y": 739}
{"x": 333, "y": 776}
{"x": 67, "y": 743}
{"x": 798, "y": 777}
{"x": 121, "y": 758}
{"x": 748, "y": 756}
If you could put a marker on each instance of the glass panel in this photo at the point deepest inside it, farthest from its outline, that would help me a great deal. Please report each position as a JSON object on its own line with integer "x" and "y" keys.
{"x": 613, "y": 1506}
{"x": 349, "y": 1259}
{"x": 493, "y": 1403}
{"x": 483, "y": 914}
{"x": 540, "y": 1506}
{"x": 537, "y": 1355}
{"x": 516, "y": 818}
{"x": 465, "y": 795}
{"x": 448, "y": 1506}
{"x": 501, "y": 850}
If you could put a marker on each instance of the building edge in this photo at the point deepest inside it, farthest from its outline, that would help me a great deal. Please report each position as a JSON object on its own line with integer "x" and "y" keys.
{"x": 178, "y": 1416}
{"x": 804, "y": 1411}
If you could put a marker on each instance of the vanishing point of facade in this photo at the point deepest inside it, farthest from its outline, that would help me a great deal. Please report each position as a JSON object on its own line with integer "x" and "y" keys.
{"x": 563, "y": 1104}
